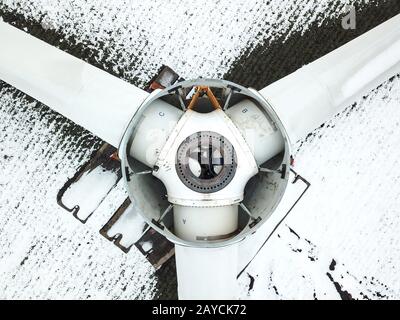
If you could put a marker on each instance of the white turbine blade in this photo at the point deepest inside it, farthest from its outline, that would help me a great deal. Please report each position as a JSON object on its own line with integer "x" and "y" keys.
{"x": 315, "y": 93}
{"x": 90, "y": 97}
{"x": 207, "y": 273}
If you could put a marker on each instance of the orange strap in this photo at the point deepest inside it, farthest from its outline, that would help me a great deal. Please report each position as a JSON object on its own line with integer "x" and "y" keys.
{"x": 204, "y": 90}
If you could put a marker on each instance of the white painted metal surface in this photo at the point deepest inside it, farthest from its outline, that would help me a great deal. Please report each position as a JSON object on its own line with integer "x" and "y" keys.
{"x": 156, "y": 125}
{"x": 263, "y": 138}
{"x": 207, "y": 273}
{"x": 315, "y": 93}
{"x": 201, "y": 224}
{"x": 90, "y": 97}
{"x": 193, "y": 122}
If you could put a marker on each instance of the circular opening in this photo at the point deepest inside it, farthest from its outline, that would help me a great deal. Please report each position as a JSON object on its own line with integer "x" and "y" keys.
{"x": 206, "y": 162}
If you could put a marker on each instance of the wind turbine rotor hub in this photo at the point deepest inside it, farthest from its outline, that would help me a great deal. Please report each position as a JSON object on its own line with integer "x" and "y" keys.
{"x": 191, "y": 158}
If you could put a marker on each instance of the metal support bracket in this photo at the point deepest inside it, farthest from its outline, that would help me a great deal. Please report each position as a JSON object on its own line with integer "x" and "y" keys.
{"x": 158, "y": 222}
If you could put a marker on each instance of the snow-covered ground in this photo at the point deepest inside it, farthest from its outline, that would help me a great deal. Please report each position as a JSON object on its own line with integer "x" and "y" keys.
{"x": 45, "y": 252}
{"x": 346, "y": 229}
{"x": 139, "y": 36}
{"x": 343, "y": 237}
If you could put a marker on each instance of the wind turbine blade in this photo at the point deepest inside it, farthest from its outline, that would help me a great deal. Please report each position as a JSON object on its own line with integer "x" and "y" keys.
{"x": 90, "y": 97}
{"x": 207, "y": 273}
{"x": 315, "y": 93}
